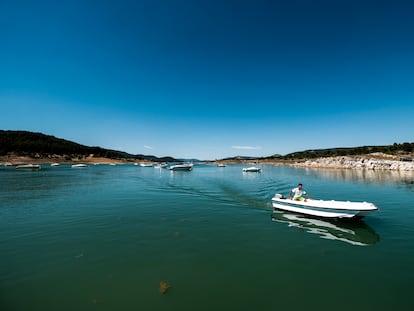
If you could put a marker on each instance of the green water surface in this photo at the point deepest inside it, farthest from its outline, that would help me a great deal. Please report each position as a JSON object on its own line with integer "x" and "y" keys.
{"x": 103, "y": 237}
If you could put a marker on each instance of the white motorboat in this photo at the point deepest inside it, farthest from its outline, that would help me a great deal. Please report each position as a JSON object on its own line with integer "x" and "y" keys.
{"x": 161, "y": 165}
{"x": 182, "y": 167}
{"x": 78, "y": 165}
{"x": 252, "y": 169}
{"x": 31, "y": 167}
{"x": 221, "y": 165}
{"x": 54, "y": 164}
{"x": 322, "y": 208}
{"x": 352, "y": 232}
{"x": 146, "y": 164}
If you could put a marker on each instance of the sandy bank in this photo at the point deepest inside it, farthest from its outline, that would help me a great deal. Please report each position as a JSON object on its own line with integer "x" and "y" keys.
{"x": 16, "y": 160}
{"x": 368, "y": 162}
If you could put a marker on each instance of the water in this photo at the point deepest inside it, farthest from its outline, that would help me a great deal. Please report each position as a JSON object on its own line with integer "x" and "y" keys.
{"x": 103, "y": 237}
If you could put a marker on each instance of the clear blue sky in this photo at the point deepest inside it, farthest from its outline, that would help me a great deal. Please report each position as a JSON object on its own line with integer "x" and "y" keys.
{"x": 209, "y": 79}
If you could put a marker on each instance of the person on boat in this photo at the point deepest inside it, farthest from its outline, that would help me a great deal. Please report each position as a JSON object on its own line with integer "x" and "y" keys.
{"x": 298, "y": 193}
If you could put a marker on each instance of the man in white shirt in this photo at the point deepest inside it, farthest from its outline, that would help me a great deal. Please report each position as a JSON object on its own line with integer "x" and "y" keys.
{"x": 298, "y": 193}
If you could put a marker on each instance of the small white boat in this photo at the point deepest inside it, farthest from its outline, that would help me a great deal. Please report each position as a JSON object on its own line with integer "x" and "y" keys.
{"x": 221, "y": 165}
{"x": 322, "y": 208}
{"x": 146, "y": 165}
{"x": 32, "y": 167}
{"x": 161, "y": 165}
{"x": 54, "y": 164}
{"x": 252, "y": 169}
{"x": 78, "y": 165}
{"x": 182, "y": 167}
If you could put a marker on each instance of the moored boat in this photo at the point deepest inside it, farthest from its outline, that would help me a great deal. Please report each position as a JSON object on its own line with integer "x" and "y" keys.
{"x": 322, "y": 208}
{"x": 182, "y": 167}
{"x": 161, "y": 165}
{"x": 146, "y": 165}
{"x": 78, "y": 165}
{"x": 32, "y": 167}
{"x": 252, "y": 169}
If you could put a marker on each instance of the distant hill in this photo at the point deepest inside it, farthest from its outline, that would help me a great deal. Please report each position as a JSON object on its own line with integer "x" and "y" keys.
{"x": 395, "y": 149}
{"x": 239, "y": 158}
{"x": 32, "y": 144}
{"x": 24, "y": 143}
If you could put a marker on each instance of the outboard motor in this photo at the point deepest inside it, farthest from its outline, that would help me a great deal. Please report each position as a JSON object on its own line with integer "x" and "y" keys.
{"x": 279, "y": 196}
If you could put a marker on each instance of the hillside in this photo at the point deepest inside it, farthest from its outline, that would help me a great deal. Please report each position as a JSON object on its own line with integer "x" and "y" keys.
{"x": 395, "y": 150}
{"x": 38, "y": 145}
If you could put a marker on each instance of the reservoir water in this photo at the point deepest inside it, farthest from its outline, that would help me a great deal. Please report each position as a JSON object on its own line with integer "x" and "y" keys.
{"x": 104, "y": 237}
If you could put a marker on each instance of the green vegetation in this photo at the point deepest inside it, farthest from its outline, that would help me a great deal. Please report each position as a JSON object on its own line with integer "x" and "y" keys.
{"x": 395, "y": 149}
{"x": 31, "y": 144}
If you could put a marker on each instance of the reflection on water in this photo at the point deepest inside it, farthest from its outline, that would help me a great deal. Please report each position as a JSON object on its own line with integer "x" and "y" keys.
{"x": 355, "y": 233}
{"x": 406, "y": 177}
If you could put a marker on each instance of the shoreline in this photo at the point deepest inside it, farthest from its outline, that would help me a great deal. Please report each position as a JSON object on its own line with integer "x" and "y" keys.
{"x": 358, "y": 163}
{"x": 379, "y": 162}
{"x": 12, "y": 160}
{"x": 375, "y": 161}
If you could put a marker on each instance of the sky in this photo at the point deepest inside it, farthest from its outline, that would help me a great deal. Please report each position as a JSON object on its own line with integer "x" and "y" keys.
{"x": 209, "y": 79}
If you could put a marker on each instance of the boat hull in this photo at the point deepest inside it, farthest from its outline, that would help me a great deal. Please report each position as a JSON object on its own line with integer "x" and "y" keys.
{"x": 325, "y": 209}
{"x": 146, "y": 164}
{"x": 252, "y": 169}
{"x": 28, "y": 167}
{"x": 78, "y": 165}
{"x": 181, "y": 167}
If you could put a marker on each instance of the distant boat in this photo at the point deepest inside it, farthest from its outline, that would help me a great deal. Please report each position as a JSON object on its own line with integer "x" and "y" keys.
{"x": 161, "y": 165}
{"x": 182, "y": 167}
{"x": 78, "y": 165}
{"x": 146, "y": 164}
{"x": 31, "y": 167}
{"x": 54, "y": 164}
{"x": 221, "y": 165}
{"x": 252, "y": 169}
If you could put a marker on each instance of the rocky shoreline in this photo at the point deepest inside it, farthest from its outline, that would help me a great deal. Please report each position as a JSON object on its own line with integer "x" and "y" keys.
{"x": 379, "y": 162}
{"x": 359, "y": 162}
{"x": 373, "y": 161}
